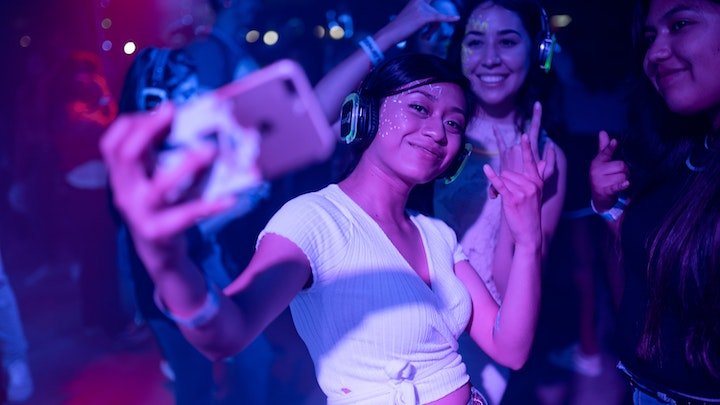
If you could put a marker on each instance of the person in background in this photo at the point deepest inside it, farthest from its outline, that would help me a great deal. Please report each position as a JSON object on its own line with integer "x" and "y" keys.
{"x": 159, "y": 75}
{"x": 380, "y": 327}
{"x": 595, "y": 80}
{"x": 343, "y": 78}
{"x": 434, "y": 38}
{"x": 503, "y": 49}
{"x": 663, "y": 201}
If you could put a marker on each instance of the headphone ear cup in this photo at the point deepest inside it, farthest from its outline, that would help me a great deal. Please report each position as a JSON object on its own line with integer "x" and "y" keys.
{"x": 373, "y": 118}
{"x": 547, "y": 46}
{"x": 349, "y": 116}
{"x": 358, "y": 118}
{"x": 547, "y": 43}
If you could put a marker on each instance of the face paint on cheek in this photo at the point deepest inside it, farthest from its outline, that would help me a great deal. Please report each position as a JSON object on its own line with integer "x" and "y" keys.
{"x": 385, "y": 123}
{"x": 467, "y": 59}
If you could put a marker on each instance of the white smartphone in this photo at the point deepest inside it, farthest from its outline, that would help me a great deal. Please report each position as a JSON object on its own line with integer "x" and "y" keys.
{"x": 265, "y": 125}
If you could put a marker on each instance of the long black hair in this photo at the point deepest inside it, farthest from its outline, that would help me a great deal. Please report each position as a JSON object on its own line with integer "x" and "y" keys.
{"x": 688, "y": 240}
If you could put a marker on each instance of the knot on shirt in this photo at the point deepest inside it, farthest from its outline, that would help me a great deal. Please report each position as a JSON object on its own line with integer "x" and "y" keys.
{"x": 401, "y": 373}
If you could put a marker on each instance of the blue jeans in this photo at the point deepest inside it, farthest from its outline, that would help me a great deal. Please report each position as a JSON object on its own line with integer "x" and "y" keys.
{"x": 13, "y": 345}
{"x": 643, "y": 394}
{"x": 641, "y": 398}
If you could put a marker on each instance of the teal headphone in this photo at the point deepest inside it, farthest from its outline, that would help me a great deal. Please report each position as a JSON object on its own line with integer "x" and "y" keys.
{"x": 547, "y": 43}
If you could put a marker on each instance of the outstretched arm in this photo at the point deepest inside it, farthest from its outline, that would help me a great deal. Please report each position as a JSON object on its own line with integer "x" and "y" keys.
{"x": 332, "y": 89}
{"x": 157, "y": 218}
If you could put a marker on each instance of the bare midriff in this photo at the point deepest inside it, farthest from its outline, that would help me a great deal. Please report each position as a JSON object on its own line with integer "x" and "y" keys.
{"x": 458, "y": 397}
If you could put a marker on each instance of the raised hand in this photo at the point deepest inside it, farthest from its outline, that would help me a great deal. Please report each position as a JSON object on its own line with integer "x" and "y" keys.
{"x": 511, "y": 157}
{"x": 521, "y": 193}
{"x": 149, "y": 199}
{"x": 608, "y": 177}
{"x": 415, "y": 15}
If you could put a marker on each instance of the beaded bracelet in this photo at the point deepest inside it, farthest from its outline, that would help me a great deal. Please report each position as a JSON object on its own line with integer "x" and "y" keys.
{"x": 370, "y": 47}
{"x": 202, "y": 315}
{"x": 614, "y": 213}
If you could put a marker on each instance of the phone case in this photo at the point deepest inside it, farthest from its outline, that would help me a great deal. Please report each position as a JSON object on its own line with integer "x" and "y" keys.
{"x": 264, "y": 125}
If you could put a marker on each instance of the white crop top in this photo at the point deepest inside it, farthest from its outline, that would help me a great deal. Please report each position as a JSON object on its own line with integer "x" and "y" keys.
{"x": 376, "y": 332}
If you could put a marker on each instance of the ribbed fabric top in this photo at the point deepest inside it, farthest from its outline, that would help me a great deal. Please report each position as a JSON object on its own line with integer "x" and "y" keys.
{"x": 376, "y": 332}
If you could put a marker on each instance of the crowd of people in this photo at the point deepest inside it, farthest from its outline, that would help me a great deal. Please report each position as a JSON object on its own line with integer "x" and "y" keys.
{"x": 413, "y": 269}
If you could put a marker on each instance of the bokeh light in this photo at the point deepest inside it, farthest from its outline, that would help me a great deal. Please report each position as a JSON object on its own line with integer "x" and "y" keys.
{"x": 271, "y": 38}
{"x": 129, "y": 48}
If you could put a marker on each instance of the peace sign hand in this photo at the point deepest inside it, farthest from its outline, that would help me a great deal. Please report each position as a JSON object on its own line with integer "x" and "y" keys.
{"x": 511, "y": 158}
{"x": 521, "y": 193}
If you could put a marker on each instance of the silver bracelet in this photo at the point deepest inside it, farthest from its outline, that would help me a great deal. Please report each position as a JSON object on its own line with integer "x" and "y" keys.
{"x": 371, "y": 48}
{"x": 614, "y": 213}
{"x": 201, "y": 316}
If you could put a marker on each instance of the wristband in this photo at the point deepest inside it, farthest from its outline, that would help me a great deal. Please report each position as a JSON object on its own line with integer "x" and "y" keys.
{"x": 614, "y": 213}
{"x": 201, "y": 316}
{"x": 370, "y": 47}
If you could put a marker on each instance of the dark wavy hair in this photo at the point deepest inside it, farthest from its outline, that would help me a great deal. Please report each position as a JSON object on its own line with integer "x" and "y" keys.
{"x": 537, "y": 83}
{"x": 688, "y": 240}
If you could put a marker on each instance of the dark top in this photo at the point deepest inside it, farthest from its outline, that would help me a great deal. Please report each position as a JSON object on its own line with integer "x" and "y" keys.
{"x": 641, "y": 221}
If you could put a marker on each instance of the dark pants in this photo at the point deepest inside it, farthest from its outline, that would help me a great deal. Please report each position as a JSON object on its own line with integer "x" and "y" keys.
{"x": 242, "y": 379}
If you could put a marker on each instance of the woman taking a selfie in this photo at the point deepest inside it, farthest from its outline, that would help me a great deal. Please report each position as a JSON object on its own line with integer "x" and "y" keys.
{"x": 378, "y": 293}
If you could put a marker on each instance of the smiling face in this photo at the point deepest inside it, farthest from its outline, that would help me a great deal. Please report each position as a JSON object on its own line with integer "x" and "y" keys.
{"x": 683, "y": 56}
{"x": 495, "y": 56}
{"x": 419, "y": 131}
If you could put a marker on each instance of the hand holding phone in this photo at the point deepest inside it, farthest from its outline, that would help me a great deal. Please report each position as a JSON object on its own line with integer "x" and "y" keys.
{"x": 264, "y": 125}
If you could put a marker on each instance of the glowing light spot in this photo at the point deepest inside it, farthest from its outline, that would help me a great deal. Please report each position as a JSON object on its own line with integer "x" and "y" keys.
{"x": 271, "y": 38}
{"x": 252, "y": 36}
{"x": 337, "y": 32}
{"x": 560, "y": 20}
{"x": 129, "y": 48}
{"x": 106, "y": 23}
{"x": 106, "y": 45}
{"x": 25, "y": 41}
{"x": 319, "y": 31}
